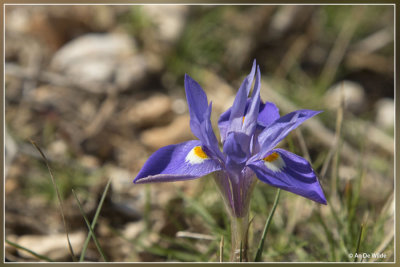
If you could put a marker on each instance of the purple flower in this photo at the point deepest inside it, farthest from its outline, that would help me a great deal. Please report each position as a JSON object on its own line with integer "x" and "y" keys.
{"x": 249, "y": 131}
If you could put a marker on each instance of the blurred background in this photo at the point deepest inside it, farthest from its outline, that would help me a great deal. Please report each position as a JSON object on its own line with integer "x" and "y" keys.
{"x": 100, "y": 88}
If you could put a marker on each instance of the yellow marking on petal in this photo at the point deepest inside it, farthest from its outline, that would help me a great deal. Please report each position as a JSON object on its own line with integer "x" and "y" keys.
{"x": 196, "y": 156}
{"x": 243, "y": 119}
{"x": 274, "y": 162}
{"x": 198, "y": 151}
{"x": 271, "y": 157}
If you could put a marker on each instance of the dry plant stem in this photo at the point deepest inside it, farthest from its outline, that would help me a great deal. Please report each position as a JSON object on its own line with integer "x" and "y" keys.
{"x": 239, "y": 237}
{"x": 221, "y": 250}
{"x": 59, "y": 199}
{"x": 339, "y": 122}
{"x": 340, "y": 47}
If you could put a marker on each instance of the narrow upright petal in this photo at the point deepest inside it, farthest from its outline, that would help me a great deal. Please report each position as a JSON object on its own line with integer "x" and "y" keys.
{"x": 200, "y": 114}
{"x": 208, "y": 137}
{"x": 280, "y": 128}
{"x": 239, "y": 104}
{"x": 290, "y": 172}
{"x": 250, "y": 118}
{"x": 185, "y": 161}
{"x": 197, "y": 102}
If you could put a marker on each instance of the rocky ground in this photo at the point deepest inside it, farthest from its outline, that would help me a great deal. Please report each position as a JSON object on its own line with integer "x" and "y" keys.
{"x": 99, "y": 88}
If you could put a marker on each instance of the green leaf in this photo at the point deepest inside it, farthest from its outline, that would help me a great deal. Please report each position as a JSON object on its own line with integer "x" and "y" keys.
{"x": 266, "y": 227}
{"x": 85, "y": 245}
{"x": 90, "y": 228}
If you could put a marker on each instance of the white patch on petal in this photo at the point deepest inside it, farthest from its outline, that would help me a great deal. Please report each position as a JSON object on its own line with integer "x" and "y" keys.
{"x": 196, "y": 156}
{"x": 275, "y": 165}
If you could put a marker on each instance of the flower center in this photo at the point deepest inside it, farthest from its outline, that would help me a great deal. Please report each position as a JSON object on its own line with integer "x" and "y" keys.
{"x": 271, "y": 157}
{"x": 198, "y": 151}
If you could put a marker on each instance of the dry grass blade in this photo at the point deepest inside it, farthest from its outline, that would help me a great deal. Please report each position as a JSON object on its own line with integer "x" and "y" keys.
{"x": 41, "y": 257}
{"x": 334, "y": 148}
{"x": 58, "y": 197}
{"x": 187, "y": 234}
{"x": 303, "y": 145}
{"x": 340, "y": 46}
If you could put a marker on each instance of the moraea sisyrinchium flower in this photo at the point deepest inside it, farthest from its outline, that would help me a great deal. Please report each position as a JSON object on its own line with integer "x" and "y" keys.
{"x": 249, "y": 131}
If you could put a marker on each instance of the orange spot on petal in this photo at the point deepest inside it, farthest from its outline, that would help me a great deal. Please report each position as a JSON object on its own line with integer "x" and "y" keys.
{"x": 198, "y": 151}
{"x": 271, "y": 157}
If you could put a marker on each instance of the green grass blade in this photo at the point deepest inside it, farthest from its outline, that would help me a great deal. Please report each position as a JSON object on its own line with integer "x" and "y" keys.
{"x": 90, "y": 228}
{"x": 29, "y": 251}
{"x": 329, "y": 235}
{"x": 266, "y": 227}
{"x": 82, "y": 257}
{"x": 359, "y": 241}
{"x": 71, "y": 251}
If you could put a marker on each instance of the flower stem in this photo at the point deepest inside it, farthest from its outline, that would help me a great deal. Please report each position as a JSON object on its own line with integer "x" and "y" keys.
{"x": 239, "y": 236}
{"x": 266, "y": 227}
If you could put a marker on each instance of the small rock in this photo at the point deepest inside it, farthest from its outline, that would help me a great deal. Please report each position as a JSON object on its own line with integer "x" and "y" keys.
{"x": 152, "y": 111}
{"x": 133, "y": 230}
{"x": 17, "y": 20}
{"x": 94, "y": 46}
{"x": 385, "y": 113}
{"x": 131, "y": 71}
{"x": 11, "y": 150}
{"x": 169, "y": 20}
{"x": 179, "y": 106}
{"x": 353, "y": 96}
{"x": 89, "y": 161}
{"x": 58, "y": 149}
{"x": 120, "y": 178}
{"x": 53, "y": 246}
{"x": 176, "y": 132}
{"x": 100, "y": 57}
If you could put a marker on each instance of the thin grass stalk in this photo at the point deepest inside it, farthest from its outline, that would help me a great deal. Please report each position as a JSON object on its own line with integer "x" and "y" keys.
{"x": 71, "y": 251}
{"x": 90, "y": 228}
{"x": 41, "y": 257}
{"x": 358, "y": 242}
{"x": 221, "y": 249}
{"x": 85, "y": 245}
{"x": 147, "y": 206}
{"x": 335, "y": 163}
{"x": 329, "y": 235}
{"x": 266, "y": 227}
{"x": 241, "y": 252}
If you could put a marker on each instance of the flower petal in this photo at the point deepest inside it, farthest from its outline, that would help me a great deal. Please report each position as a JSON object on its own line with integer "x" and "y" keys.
{"x": 236, "y": 147}
{"x": 280, "y": 128}
{"x": 289, "y": 172}
{"x": 200, "y": 114}
{"x": 239, "y": 104}
{"x": 269, "y": 113}
{"x": 208, "y": 137}
{"x": 251, "y": 115}
{"x": 183, "y": 161}
{"x": 197, "y": 102}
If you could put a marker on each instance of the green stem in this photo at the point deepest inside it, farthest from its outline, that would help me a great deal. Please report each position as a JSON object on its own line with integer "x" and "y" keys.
{"x": 239, "y": 235}
{"x": 266, "y": 227}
